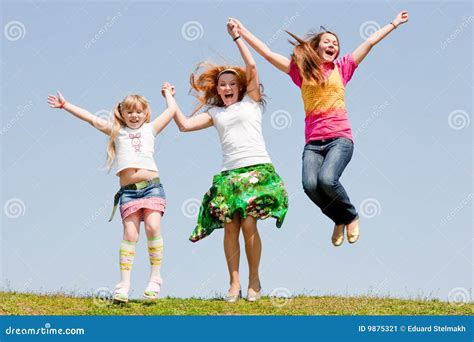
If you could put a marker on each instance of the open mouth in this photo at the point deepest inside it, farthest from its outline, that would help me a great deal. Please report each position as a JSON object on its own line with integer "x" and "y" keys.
{"x": 330, "y": 53}
{"x": 229, "y": 96}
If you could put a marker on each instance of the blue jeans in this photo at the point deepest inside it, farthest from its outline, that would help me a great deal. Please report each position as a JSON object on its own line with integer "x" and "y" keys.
{"x": 323, "y": 164}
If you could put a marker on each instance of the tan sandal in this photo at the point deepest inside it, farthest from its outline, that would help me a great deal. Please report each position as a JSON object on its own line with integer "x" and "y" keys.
{"x": 338, "y": 235}
{"x": 352, "y": 238}
{"x": 231, "y": 298}
{"x": 253, "y": 297}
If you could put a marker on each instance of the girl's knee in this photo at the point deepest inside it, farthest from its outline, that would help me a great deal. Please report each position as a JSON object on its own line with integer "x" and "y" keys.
{"x": 130, "y": 236}
{"x": 249, "y": 225}
{"x": 310, "y": 186}
{"x": 152, "y": 228}
{"x": 152, "y": 223}
{"x": 232, "y": 231}
{"x": 327, "y": 182}
{"x": 250, "y": 234}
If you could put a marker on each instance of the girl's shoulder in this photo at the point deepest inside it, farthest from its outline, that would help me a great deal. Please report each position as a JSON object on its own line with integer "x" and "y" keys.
{"x": 346, "y": 66}
{"x": 294, "y": 73}
{"x": 345, "y": 61}
{"x": 214, "y": 110}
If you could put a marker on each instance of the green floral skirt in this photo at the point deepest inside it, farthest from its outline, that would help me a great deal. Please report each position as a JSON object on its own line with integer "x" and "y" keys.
{"x": 255, "y": 190}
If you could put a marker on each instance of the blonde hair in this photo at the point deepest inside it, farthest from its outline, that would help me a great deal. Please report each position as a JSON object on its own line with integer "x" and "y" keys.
{"x": 204, "y": 82}
{"x": 129, "y": 103}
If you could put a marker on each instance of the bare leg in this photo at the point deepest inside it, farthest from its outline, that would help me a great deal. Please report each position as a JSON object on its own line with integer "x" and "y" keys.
{"x": 152, "y": 220}
{"x": 253, "y": 249}
{"x": 232, "y": 252}
{"x": 131, "y": 227}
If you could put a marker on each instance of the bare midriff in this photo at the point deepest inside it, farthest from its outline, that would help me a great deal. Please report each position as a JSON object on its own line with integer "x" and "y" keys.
{"x": 133, "y": 175}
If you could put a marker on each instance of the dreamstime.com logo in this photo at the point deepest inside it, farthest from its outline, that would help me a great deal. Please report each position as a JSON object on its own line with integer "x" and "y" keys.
{"x": 102, "y": 297}
{"x": 280, "y": 297}
{"x": 103, "y": 119}
{"x": 46, "y": 330}
{"x": 281, "y": 119}
{"x": 192, "y": 30}
{"x": 368, "y": 28}
{"x": 14, "y": 208}
{"x": 459, "y": 296}
{"x": 370, "y": 208}
{"x": 14, "y": 30}
{"x": 458, "y": 119}
{"x": 190, "y": 207}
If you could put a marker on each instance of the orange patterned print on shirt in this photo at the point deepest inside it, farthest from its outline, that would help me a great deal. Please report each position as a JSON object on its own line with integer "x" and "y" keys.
{"x": 327, "y": 98}
{"x": 325, "y": 110}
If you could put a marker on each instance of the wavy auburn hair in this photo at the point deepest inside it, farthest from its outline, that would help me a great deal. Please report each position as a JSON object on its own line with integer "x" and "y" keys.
{"x": 204, "y": 83}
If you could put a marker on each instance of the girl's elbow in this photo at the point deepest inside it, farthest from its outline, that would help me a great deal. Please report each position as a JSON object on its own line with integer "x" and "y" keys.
{"x": 370, "y": 43}
{"x": 268, "y": 57}
{"x": 252, "y": 65}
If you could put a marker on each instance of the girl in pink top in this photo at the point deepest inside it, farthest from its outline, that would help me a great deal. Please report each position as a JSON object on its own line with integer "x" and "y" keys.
{"x": 322, "y": 78}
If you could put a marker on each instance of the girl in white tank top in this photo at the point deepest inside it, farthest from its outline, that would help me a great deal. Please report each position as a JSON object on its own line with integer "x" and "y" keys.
{"x": 247, "y": 188}
{"x": 141, "y": 195}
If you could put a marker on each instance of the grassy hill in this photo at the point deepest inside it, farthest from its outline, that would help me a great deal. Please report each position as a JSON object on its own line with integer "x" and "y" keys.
{"x": 12, "y": 303}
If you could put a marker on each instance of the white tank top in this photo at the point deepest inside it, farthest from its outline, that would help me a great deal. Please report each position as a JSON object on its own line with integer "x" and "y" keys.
{"x": 135, "y": 148}
{"x": 240, "y": 132}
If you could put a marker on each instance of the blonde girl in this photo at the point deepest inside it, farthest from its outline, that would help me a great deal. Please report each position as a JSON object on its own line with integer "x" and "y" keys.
{"x": 141, "y": 196}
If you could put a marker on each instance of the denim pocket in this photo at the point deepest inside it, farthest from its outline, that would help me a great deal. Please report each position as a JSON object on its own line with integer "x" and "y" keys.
{"x": 128, "y": 195}
{"x": 345, "y": 141}
{"x": 154, "y": 190}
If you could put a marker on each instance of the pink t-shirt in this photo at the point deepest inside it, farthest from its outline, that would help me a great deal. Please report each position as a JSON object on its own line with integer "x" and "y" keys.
{"x": 326, "y": 115}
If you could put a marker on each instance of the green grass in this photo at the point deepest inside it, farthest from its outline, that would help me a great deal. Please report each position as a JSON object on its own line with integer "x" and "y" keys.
{"x": 12, "y": 303}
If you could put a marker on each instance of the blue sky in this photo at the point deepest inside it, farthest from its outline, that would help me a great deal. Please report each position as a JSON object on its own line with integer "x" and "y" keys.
{"x": 409, "y": 103}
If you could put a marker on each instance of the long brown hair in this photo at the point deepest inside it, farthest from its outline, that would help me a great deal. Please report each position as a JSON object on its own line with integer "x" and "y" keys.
{"x": 305, "y": 56}
{"x": 129, "y": 103}
{"x": 204, "y": 80}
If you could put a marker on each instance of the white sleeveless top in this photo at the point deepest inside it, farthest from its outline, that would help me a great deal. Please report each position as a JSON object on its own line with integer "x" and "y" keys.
{"x": 240, "y": 132}
{"x": 135, "y": 148}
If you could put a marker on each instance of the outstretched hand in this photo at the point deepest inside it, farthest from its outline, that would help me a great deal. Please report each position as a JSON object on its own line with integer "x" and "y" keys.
{"x": 401, "y": 18}
{"x": 57, "y": 101}
{"x": 169, "y": 87}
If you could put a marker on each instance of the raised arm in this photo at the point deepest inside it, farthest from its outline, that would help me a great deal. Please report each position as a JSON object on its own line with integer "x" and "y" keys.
{"x": 164, "y": 119}
{"x": 253, "y": 87}
{"x": 58, "y": 101}
{"x": 194, "y": 123}
{"x": 279, "y": 61}
{"x": 363, "y": 50}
